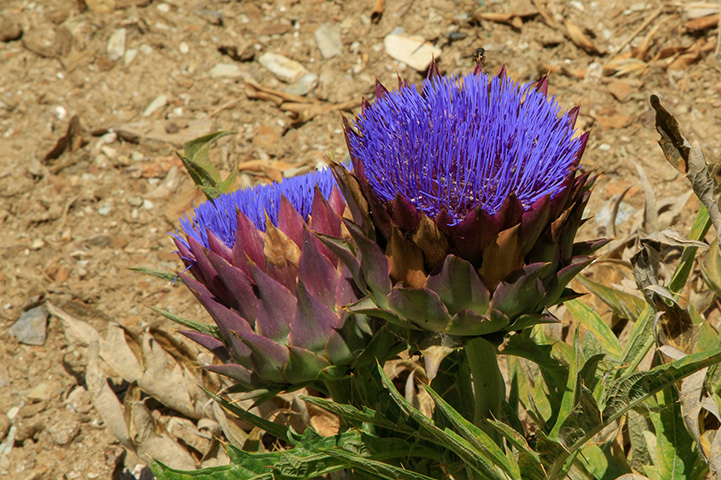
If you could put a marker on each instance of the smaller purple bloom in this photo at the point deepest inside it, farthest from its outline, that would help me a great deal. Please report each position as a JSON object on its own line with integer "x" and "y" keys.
{"x": 272, "y": 286}
{"x": 220, "y": 215}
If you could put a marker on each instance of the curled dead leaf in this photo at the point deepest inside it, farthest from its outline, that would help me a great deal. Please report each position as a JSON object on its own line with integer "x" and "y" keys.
{"x": 580, "y": 39}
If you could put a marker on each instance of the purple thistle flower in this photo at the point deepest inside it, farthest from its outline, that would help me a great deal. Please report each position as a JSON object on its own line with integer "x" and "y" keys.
{"x": 463, "y": 143}
{"x": 273, "y": 288}
{"x": 466, "y": 203}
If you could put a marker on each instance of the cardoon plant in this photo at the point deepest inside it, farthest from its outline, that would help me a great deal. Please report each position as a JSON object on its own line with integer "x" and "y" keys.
{"x": 272, "y": 288}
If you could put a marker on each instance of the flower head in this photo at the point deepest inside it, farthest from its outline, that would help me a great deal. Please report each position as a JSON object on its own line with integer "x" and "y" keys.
{"x": 220, "y": 215}
{"x": 271, "y": 286}
{"x": 465, "y": 142}
{"x": 466, "y": 200}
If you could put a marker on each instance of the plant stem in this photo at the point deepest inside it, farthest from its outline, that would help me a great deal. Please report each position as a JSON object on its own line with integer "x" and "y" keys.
{"x": 488, "y": 384}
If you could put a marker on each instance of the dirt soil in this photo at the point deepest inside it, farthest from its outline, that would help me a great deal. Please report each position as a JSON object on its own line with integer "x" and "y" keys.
{"x": 97, "y": 95}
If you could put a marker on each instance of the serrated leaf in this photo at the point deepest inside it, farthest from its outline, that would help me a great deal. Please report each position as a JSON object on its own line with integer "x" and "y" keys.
{"x": 593, "y": 322}
{"x": 677, "y": 458}
{"x": 224, "y": 472}
{"x": 204, "y": 174}
{"x": 623, "y": 304}
{"x": 278, "y": 431}
{"x": 192, "y": 324}
{"x": 473, "y": 458}
{"x": 628, "y": 392}
{"x": 477, "y": 437}
{"x": 379, "y": 469}
{"x": 169, "y": 276}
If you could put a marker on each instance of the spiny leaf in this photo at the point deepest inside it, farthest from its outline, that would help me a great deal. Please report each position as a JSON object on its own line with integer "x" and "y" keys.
{"x": 278, "y": 431}
{"x": 593, "y": 322}
{"x": 205, "y": 175}
{"x": 169, "y": 276}
{"x": 192, "y": 324}
{"x": 378, "y": 469}
{"x": 224, "y": 472}
{"x": 477, "y": 437}
{"x": 445, "y": 438}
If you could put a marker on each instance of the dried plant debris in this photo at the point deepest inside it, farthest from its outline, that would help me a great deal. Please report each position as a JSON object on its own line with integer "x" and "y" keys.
{"x": 688, "y": 158}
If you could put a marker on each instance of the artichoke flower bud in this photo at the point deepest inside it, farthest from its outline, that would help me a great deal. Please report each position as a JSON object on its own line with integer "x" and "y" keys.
{"x": 271, "y": 286}
{"x": 469, "y": 196}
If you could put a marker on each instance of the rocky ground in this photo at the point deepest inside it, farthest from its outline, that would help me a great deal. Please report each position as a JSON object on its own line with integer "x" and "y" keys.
{"x": 97, "y": 95}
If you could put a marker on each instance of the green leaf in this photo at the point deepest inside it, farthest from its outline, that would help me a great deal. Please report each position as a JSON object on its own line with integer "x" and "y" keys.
{"x": 599, "y": 461}
{"x": 528, "y": 461}
{"x": 623, "y": 304}
{"x": 567, "y": 401}
{"x": 593, "y": 322}
{"x": 698, "y": 231}
{"x": 445, "y": 438}
{"x": 205, "y": 175}
{"x": 278, "y": 431}
{"x": 677, "y": 458}
{"x": 641, "y": 340}
{"x": 628, "y": 392}
{"x": 169, "y": 276}
{"x": 379, "y": 469}
{"x": 584, "y": 417}
{"x": 477, "y": 437}
{"x": 192, "y": 324}
{"x": 225, "y": 472}
{"x": 348, "y": 412}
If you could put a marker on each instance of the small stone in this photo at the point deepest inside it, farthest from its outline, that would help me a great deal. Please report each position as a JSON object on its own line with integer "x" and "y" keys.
{"x": 266, "y": 137}
{"x": 101, "y": 6}
{"x": 213, "y": 17}
{"x": 31, "y": 327}
{"x": 134, "y": 201}
{"x": 105, "y": 210}
{"x": 159, "y": 102}
{"x": 412, "y": 50}
{"x": 329, "y": 41}
{"x": 226, "y": 70}
{"x": 37, "y": 244}
{"x": 184, "y": 48}
{"x": 620, "y": 89}
{"x": 49, "y": 43}
{"x": 304, "y": 85}
{"x": 9, "y": 30}
{"x": 129, "y": 56}
{"x": 148, "y": 205}
{"x": 282, "y": 67}
{"x": 4, "y": 425}
{"x": 40, "y": 393}
{"x": 116, "y": 45}
{"x": 63, "y": 427}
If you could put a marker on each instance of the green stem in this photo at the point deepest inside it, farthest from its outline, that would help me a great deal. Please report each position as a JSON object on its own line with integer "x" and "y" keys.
{"x": 488, "y": 384}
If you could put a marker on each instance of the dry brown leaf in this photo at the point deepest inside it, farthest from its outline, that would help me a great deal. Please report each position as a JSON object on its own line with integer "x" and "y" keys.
{"x": 164, "y": 379}
{"x": 154, "y": 444}
{"x": 114, "y": 350}
{"x": 702, "y": 23}
{"x": 104, "y": 400}
{"x": 76, "y": 331}
{"x": 580, "y": 39}
{"x": 72, "y": 141}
